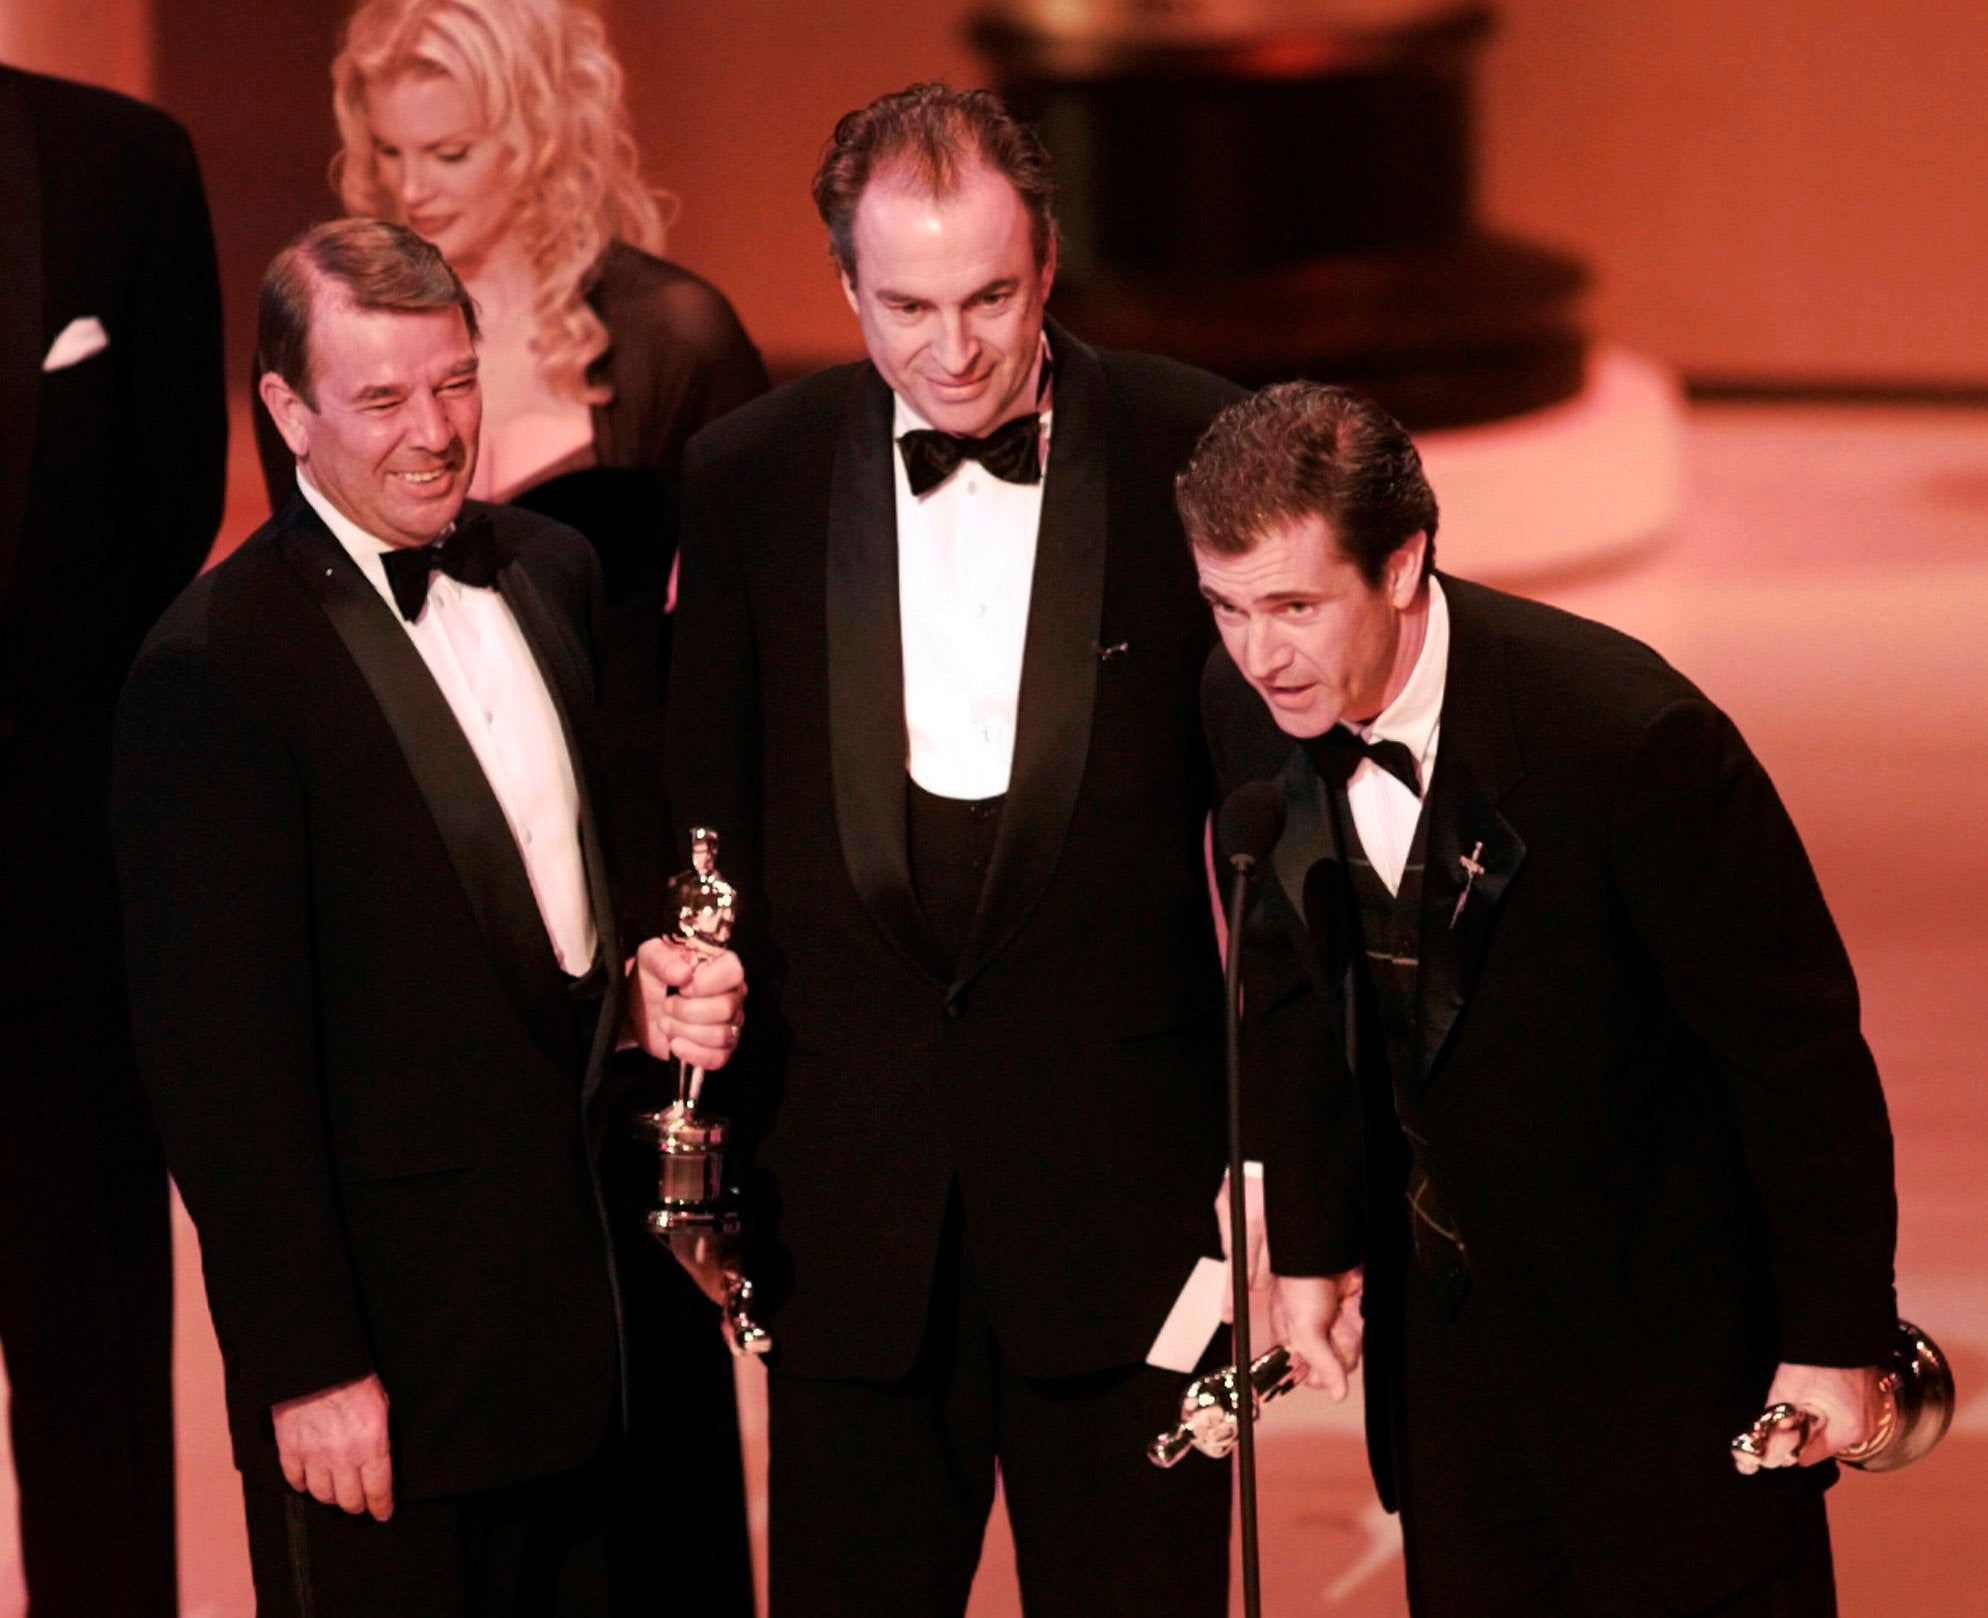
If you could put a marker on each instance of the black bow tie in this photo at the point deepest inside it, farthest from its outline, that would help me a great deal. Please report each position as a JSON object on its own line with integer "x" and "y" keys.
{"x": 1337, "y": 754}
{"x": 1012, "y": 452}
{"x": 470, "y": 555}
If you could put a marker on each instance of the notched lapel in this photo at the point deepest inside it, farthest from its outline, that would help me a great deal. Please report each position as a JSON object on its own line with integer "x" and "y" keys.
{"x": 867, "y": 739}
{"x": 1472, "y": 853}
{"x": 446, "y": 772}
{"x": 1060, "y": 660}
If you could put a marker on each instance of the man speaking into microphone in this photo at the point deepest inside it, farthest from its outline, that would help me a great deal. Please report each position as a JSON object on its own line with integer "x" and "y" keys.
{"x": 1553, "y": 1053}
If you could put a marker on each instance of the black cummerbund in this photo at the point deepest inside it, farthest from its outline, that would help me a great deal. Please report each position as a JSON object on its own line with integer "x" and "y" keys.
{"x": 950, "y": 841}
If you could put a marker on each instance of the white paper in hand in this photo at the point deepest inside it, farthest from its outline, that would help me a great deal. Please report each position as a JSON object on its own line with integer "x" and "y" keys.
{"x": 1190, "y": 1324}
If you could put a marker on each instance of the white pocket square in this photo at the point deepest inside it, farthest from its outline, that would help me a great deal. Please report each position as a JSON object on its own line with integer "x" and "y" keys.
{"x": 81, "y": 338}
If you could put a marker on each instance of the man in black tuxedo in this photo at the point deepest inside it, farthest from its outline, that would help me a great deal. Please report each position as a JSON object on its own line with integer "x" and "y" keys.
{"x": 1554, "y": 1053}
{"x": 937, "y": 654}
{"x": 113, "y": 439}
{"x": 375, "y": 975}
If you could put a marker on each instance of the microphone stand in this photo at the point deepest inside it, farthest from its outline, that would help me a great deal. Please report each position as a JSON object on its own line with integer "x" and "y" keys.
{"x": 1245, "y": 1391}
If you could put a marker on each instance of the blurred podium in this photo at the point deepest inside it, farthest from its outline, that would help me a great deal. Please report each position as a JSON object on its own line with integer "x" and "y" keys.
{"x": 1285, "y": 188}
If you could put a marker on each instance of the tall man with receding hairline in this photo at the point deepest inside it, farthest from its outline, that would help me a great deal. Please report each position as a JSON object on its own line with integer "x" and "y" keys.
{"x": 936, "y": 666}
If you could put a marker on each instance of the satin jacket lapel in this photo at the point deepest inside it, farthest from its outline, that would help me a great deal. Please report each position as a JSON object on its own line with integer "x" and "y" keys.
{"x": 1059, "y": 659}
{"x": 867, "y": 740}
{"x": 22, "y": 316}
{"x": 563, "y": 666}
{"x": 1477, "y": 763}
{"x": 445, "y": 769}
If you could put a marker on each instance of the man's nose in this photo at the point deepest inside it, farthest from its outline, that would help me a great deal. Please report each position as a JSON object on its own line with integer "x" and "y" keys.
{"x": 956, "y": 343}
{"x": 428, "y": 423}
{"x": 1265, "y": 651}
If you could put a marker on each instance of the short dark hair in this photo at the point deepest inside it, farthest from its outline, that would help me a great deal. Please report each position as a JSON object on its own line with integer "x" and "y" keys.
{"x": 376, "y": 264}
{"x": 930, "y": 135}
{"x": 1302, "y": 449}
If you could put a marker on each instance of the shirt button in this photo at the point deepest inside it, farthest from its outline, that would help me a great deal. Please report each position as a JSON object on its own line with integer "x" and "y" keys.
{"x": 980, "y": 609}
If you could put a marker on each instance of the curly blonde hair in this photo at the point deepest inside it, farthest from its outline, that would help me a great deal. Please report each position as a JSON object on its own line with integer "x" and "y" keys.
{"x": 550, "y": 89}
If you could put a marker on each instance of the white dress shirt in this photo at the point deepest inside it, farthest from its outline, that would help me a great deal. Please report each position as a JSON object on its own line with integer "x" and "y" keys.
{"x": 1384, "y": 811}
{"x": 965, "y": 564}
{"x": 485, "y": 669}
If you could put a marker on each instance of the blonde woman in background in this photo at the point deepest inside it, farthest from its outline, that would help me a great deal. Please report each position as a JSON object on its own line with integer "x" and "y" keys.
{"x": 496, "y": 129}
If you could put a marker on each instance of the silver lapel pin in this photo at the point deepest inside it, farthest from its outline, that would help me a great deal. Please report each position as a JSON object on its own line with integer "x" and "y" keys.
{"x": 1472, "y": 870}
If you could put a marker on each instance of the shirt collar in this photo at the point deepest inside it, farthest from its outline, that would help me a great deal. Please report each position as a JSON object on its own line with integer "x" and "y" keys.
{"x": 365, "y": 549}
{"x": 1417, "y": 710}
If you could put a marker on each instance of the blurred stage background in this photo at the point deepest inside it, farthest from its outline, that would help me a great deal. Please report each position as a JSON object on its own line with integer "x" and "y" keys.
{"x": 1780, "y": 206}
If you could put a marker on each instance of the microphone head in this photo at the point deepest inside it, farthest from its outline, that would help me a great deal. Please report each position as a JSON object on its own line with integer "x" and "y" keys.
{"x": 1249, "y": 823}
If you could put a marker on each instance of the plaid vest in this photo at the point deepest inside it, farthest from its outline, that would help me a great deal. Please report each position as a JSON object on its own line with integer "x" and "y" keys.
{"x": 1391, "y": 938}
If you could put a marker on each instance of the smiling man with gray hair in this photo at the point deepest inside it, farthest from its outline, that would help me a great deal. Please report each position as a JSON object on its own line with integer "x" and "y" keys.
{"x": 375, "y": 976}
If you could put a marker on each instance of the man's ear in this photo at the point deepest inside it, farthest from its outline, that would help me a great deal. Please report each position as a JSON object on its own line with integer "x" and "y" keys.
{"x": 848, "y": 281}
{"x": 287, "y": 409}
{"x": 1049, "y": 267}
{"x": 1404, "y": 569}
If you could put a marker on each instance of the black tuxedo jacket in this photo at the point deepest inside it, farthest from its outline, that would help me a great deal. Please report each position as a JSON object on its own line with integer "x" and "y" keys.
{"x": 1066, "y": 1077}
{"x": 111, "y": 476}
{"x": 1644, "y": 1090}
{"x": 374, "y": 1085}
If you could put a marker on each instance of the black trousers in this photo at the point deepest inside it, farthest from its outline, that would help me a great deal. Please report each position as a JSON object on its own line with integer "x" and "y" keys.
{"x": 880, "y": 1492}
{"x": 86, "y": 1304}
{"x": 1479, "y": 1542}
{"x": 533, "y": 1550}
{"x": 679, "y": 1541}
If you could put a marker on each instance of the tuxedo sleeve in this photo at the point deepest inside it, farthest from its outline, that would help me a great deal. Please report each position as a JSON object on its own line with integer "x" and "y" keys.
{"x": 212, "y": 855}
{"x": 1727, "y": 906}
{"x": 175, "y": 408}
{"x": 712, "y": 742}
{"x": 1301, "y": 1113}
